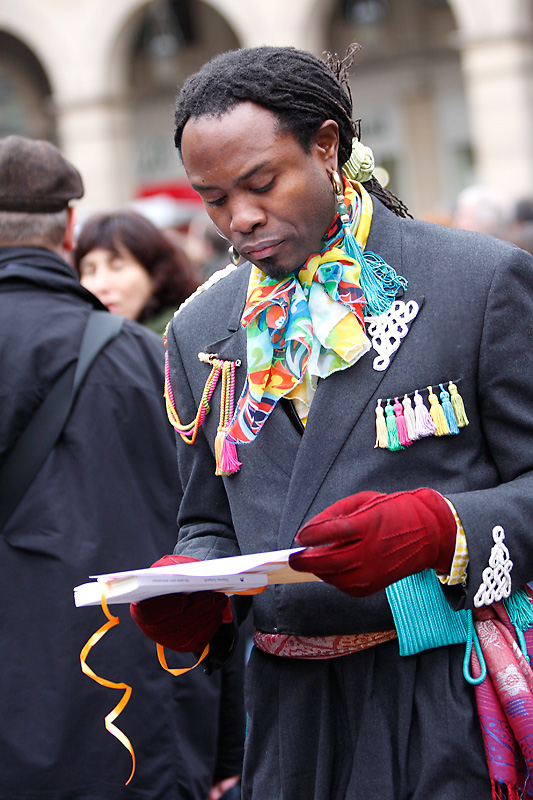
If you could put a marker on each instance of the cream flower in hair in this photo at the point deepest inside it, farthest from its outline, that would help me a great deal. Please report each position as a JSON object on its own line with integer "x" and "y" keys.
{"x": 360, "y": 165}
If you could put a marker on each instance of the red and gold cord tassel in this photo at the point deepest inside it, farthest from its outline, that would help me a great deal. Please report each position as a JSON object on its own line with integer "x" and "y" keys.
{"x": 189, "y": 432}
{"x": 226, "y": 451}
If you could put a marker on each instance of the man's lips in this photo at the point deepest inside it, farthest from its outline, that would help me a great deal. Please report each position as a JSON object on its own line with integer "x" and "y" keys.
{"x": 261, "y": 249}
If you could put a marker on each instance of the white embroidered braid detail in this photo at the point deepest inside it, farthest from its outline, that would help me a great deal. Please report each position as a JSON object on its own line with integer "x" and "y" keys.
{"x": 214, "y": 278}
{"x": 388, "y": 329}
{"x": 496, "y": 583}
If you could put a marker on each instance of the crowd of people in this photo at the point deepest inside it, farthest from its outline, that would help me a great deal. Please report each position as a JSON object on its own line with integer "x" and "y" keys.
{"x": 374, "y": 414}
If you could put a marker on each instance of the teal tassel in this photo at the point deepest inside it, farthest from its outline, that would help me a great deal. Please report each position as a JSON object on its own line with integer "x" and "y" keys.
{"x": 392, "y": 429}
{"x": 379, "y": 281}
{"x": 519, "y": 609}
{"x": 448, "y": 410}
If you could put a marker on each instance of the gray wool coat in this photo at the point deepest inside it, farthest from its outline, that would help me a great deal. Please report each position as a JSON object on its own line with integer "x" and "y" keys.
{"x": 374, "y": 723}
{"x": 474, "y": 327}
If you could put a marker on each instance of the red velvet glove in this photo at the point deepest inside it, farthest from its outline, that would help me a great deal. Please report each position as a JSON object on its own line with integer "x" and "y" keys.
{"x": 182, "y": 622}
{"x": 367, "y": 541}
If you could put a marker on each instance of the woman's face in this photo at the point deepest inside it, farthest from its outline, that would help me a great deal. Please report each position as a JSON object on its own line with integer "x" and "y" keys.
{"x": 118, "y": 280}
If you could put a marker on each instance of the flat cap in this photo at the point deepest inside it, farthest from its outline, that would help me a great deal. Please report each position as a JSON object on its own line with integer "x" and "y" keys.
{"x": 35, "y": 177}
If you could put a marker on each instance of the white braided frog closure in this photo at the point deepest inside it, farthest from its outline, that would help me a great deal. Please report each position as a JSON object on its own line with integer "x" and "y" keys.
{"x": 387, "y": 330}
{"x": 496, "y": 584}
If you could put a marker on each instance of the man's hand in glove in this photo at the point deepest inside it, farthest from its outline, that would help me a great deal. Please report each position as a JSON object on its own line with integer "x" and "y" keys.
{"x": 182, "y": 622}
{"x": 367, "y": 541}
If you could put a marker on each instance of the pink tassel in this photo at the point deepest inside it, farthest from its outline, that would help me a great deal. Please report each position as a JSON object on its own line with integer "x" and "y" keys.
{"x": 226, "y": 455}
{"x": 403, "y": 436}
{"x": 226, "y": 460}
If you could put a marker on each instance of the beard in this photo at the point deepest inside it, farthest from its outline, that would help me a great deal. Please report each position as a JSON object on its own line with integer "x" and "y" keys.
{"x": 273, "y": 270}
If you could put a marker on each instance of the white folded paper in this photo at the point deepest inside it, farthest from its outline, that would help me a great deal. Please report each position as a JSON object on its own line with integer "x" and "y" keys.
{"x": 230, "y": 575}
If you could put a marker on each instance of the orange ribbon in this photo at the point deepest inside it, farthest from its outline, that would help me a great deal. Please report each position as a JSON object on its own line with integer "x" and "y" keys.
{"x": 119, "y": 708}
{"x": 163, "y": 661}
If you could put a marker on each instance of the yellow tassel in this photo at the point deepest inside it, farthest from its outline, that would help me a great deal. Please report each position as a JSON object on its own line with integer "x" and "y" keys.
{"x": 457, "y": 405}
{"x": 382, "y": 437}
{"x": 219, "y": 441}
{"x": 437, "y": 414}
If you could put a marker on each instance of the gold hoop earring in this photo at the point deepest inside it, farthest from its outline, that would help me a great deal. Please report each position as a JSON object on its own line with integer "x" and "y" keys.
{"x": 338, "y": 186}
{"x": 235, "y": 256}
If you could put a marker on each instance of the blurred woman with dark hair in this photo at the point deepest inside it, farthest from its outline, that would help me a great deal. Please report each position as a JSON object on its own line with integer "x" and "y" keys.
{"x": 133, "y": 269}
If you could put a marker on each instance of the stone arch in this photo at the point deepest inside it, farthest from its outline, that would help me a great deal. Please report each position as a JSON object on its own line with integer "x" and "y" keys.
{"x": 107, "y": 115}
{"x": 25, "y": 92}
{"x": 149, "y": 85}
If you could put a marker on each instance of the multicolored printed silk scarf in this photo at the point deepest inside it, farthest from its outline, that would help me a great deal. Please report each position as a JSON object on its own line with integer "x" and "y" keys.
{"x": 311, "y": 321}
{"x": 505, "y": 703}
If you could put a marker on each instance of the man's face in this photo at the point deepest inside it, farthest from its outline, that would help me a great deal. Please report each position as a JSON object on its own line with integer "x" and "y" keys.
{"x": 266, "y": 195}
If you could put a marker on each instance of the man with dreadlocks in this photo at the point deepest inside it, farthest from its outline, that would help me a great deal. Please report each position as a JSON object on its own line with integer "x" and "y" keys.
{"x": 340, "y": 341}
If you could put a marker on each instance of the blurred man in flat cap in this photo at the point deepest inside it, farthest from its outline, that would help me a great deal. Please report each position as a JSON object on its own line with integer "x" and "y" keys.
{"x": 105, "y": 498}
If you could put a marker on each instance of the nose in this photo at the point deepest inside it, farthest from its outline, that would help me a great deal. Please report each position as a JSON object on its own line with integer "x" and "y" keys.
{"x": 246, "y": 215}
{"x": 98, "y": 283}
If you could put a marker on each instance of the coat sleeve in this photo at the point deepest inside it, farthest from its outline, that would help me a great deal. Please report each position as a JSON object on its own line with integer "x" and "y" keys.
{"x": 505, "y": 400}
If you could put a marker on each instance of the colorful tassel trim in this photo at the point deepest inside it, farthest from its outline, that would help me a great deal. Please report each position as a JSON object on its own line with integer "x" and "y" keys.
{"x": 505, "y": 791}
{"x": 225, "y": 451}
{"x": 398, "y": 424}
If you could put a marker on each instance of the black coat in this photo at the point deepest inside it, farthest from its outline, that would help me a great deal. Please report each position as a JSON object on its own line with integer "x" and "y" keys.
{"x": 105, "y": 499}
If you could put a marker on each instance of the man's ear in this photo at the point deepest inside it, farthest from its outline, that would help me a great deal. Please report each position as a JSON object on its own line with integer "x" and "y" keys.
{"x": 69, "y": 240}
{"x": 327, "y": 142}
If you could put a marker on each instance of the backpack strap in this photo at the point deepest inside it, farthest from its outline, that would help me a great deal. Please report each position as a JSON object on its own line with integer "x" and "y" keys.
{"x": 42, "y": 432}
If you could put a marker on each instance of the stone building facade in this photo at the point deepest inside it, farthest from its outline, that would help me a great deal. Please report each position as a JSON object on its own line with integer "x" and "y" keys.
{"x": 444, "y": 89}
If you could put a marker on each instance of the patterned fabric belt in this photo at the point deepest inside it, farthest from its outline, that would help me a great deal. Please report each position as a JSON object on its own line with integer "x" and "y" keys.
{"x": 318, "y": 647}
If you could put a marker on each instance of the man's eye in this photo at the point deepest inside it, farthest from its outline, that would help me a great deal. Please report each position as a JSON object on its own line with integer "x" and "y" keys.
{"x": 218, "y": 202}
{"x": 262, "y": 189}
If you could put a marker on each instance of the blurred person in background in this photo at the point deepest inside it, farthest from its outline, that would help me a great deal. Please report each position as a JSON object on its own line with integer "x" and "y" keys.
{"x": 522, "y": 236}
{"x": 133, "y": 268}
{"x": 521, "y": 229}
{"x": 524, "y": 211}
{"x": 105, "y": 498}
{"x": 483, "y": 209}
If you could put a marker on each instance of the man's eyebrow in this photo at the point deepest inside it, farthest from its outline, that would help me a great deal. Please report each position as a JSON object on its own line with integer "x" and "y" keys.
{"x": 245, "y": 177}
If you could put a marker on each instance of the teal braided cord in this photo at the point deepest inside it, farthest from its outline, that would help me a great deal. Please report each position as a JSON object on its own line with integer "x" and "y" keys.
{"x": 422, "y": 616}
{"x": 473, "y": 638}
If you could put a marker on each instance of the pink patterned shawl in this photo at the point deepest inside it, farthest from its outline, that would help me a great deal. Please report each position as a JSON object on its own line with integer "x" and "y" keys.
{"x": 505, "y": 703}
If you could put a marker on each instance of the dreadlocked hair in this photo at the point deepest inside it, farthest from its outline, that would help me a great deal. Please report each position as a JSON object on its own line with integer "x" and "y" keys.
{"x": 299, "y": 88}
